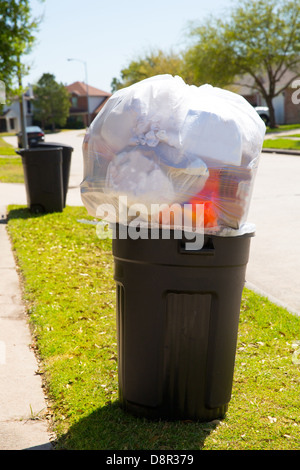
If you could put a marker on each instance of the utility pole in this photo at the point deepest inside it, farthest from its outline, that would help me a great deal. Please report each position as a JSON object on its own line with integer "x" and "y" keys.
{"x": 22, "y": 109}
{"x": 87, "y": 88}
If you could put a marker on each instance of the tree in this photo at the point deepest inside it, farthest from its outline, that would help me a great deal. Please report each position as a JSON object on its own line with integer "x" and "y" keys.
{"x": 154, "y": 63}
{"x": 51, "y": 101}
{"x": 260, "y": 39}
{"x": 17, "y": 29}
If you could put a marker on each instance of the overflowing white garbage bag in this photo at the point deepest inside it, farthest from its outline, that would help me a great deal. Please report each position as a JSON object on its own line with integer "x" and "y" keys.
{"x": 161, "y": 147}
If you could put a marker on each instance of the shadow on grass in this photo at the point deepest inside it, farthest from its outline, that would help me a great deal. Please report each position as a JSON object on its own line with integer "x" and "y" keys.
{"x": 25, "y": 213}
{"x": 19, "y": 213}
{"x": 111, "y": 428}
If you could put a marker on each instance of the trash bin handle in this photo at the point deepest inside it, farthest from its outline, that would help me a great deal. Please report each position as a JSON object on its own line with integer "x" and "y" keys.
{"x": 207, "y": 248}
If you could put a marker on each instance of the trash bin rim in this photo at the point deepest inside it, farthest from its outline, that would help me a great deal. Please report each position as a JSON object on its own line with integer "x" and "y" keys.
{"x": 35, "y": 149}
{"x": 54, "y": 144}
{"x": 232, "y": 233}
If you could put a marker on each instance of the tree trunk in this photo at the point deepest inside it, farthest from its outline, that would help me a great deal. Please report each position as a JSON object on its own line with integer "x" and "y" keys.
{"x": 269, "y": 102}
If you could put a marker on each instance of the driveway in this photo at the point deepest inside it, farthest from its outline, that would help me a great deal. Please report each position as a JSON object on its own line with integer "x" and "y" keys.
{"x": 274, "y": 264}
{"x": 73, "y": 139}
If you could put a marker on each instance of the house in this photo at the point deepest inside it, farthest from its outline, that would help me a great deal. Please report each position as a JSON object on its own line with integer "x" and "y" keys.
{"x": 86, "y": 102}
{"x": 10, "y": 118}
{"x": 287, "y": 109}
{"x": 80, "y": 94}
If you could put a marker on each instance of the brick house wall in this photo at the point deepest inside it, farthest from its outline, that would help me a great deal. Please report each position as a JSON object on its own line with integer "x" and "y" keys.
{"x": 291, "y": 110}
{"x": 79, "y": 104}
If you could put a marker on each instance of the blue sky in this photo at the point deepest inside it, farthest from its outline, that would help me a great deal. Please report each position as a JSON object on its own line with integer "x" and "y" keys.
{"x": 107, "y": 35}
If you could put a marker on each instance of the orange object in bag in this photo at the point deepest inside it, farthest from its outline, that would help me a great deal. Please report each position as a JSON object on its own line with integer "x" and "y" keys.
{"x": 208, "y": 196}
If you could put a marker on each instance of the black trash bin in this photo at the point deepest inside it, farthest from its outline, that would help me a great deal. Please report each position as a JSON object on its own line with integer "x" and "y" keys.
{"x": 43, "y": 178}
{"x": 177, "y": 322}
{"x": 66, "y": 163}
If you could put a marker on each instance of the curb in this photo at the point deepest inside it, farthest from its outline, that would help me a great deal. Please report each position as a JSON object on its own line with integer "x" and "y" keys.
{"x": 284, "y": 151}
{"x": 271, "y": 298}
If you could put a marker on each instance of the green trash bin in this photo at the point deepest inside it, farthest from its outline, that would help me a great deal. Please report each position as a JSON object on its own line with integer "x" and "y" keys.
{"x": 43, "y": 178}
{"x": 177, "y": 323}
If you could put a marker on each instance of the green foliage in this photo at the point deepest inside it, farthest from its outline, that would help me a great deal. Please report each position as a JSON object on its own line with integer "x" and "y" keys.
{"x": 17, "y": 29}
{"x": 259, "y": 39}
{"x": 211, "y": 58}
{"x": 51, "y": 104}
{"x": 154, "y": 63}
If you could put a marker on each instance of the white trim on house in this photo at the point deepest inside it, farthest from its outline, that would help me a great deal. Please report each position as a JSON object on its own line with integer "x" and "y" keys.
{"x": 11, "y": 115}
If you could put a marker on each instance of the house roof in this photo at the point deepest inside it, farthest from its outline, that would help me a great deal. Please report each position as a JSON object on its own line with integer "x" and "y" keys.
{"x": 5, "y": 111}
{"x": 8, "y": 112}
{"x": 79, "y": 88}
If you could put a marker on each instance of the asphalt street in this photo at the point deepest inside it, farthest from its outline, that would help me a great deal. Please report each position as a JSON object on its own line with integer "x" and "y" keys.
{"x": 274, "y": 264}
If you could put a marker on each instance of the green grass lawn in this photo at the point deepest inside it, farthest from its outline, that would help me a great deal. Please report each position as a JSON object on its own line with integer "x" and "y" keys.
{"x": 282, "y": 128}
{"x": 6, "y": 149}
{"x": 67, "y": 274}
{"x": 11, "y": 169}
{"x": 282, "y": 143}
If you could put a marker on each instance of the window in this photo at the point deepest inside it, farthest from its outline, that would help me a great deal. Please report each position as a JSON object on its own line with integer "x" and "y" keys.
{"x": 29, "y": 107}
{"x": 74, "y": 101}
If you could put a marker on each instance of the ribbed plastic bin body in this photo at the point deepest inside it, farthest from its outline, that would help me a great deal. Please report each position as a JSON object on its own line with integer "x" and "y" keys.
{"x": 177, "y": 322}
{"x": 43, "y": 178}
{"x": 66, "y": 163}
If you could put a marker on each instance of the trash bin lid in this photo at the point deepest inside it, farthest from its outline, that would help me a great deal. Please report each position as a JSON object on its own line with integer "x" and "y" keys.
{"x": 54, "y": 144}
{"x": 37, "y": 149}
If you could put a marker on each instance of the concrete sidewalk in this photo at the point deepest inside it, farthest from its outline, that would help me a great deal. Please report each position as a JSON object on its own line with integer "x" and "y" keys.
{"x": 22, "y": 404}
{"x": 23, "y": 408}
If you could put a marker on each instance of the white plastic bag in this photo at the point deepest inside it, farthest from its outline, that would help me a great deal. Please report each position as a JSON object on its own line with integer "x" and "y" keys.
{"x": 161, "y": 141}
